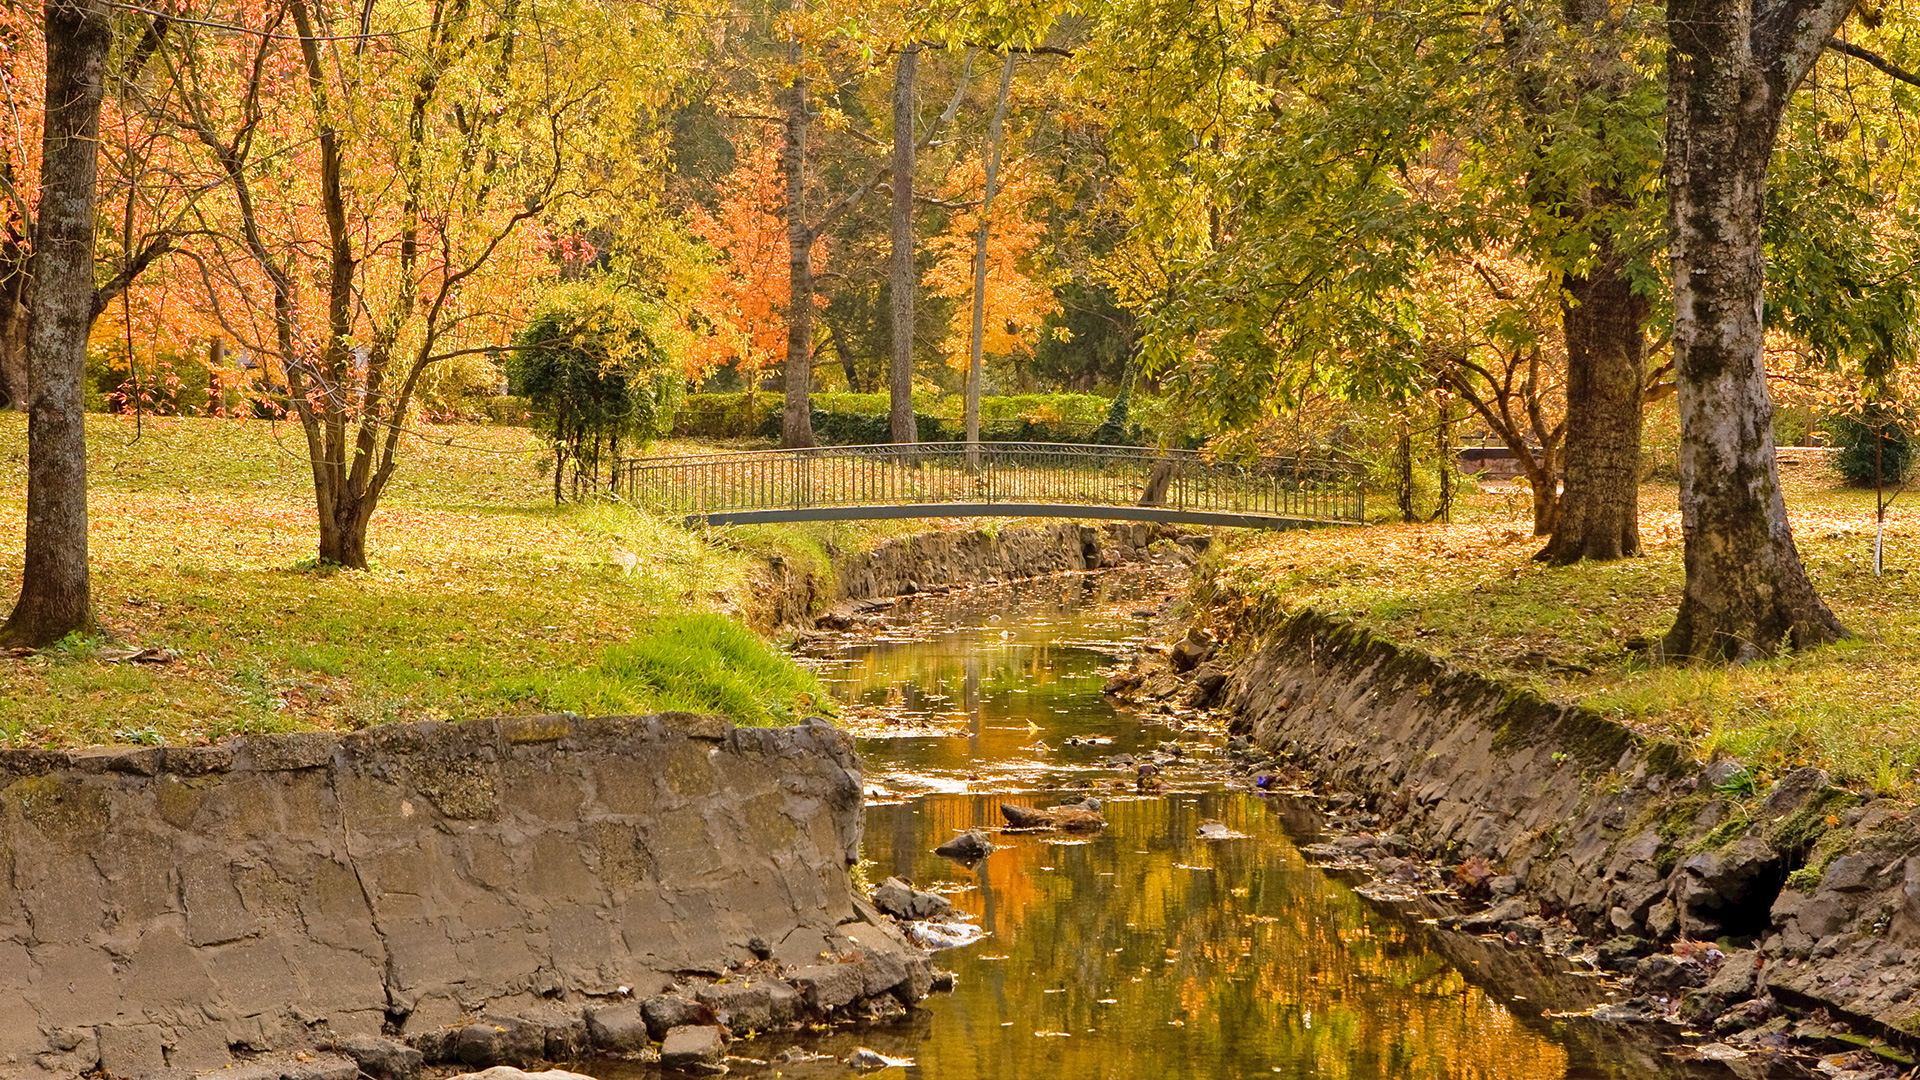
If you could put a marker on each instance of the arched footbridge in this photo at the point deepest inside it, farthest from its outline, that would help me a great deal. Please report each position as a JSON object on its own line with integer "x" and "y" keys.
{"x": 999, "y": 480}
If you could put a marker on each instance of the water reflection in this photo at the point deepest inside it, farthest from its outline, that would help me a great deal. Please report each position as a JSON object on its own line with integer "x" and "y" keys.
{"x": 1144, "y": 950}
{"x": 1148, "y": 952}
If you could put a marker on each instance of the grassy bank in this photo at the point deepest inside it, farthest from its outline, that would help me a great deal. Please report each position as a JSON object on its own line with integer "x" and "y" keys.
{"x": 1469, "y": 592}
{"x": 484, "y": 598}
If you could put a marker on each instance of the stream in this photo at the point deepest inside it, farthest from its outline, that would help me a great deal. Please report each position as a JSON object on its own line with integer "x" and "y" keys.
{"x": 1143, "y": 950}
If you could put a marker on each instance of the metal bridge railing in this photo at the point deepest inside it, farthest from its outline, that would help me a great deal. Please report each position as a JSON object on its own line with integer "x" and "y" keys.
{"x": 1055, "y": 475}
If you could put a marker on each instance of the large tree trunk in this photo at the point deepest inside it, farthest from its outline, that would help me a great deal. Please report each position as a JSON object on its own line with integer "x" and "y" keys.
{"x": 54, "y": 584}
{"x": 1599, "y": 512}
{"x": 796, "y": 416}
{"x": 1731, "y": 68}
{"x": 901, "y": 280}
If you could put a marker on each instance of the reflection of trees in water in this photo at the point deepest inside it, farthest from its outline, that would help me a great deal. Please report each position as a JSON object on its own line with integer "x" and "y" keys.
{"x": 1262, "y": 961}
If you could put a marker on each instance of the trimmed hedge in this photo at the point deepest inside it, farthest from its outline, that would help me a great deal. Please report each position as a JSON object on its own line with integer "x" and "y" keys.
{"x": 861, "y": 419}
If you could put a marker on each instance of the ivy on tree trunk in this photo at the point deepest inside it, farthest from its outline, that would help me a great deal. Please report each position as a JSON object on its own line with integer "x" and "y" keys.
{"x": 54, "y": 584}
{"x": 1731, "y": 68}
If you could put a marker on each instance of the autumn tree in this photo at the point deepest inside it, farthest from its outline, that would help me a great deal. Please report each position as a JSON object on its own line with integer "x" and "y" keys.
{"x": 394, "y": 175}
{"x": 742, "y": 302}
{"x": 1488, "y": 346}
{"x": 54, "y": 590}
{"x": 985, "y": 261}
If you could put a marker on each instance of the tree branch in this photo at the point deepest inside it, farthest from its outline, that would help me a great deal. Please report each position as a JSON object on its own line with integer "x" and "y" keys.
{"x": 1848, "y": 48}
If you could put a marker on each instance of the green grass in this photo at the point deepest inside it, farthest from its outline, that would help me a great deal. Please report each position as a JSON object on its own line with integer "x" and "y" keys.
{"x": 691, "y": 663}
{"x": 484, "y": 598}
{"x": 1470, "y": 593}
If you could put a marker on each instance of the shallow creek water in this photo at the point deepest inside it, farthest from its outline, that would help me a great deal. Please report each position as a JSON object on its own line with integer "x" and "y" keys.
{"x": 1145, "y": 951}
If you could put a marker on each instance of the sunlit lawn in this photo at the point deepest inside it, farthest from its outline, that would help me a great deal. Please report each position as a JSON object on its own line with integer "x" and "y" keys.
{"x": 1471, "y": 593}
{"x": 484, "y": 597}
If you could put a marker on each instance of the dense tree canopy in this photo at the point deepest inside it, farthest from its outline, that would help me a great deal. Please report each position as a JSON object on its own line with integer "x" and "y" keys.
{"x": 1496, "y": 215}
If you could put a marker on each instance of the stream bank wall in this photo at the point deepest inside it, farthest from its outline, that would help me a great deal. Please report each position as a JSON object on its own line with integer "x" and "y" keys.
{"x": 909, "y": 564}
{"x": 166, "y": 911}
{"x": 1625, "y": 835}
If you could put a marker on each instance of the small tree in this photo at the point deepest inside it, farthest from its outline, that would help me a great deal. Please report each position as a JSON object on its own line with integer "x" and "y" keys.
{"x": 590, "y": 365}
{"x": 1874, "y": 445}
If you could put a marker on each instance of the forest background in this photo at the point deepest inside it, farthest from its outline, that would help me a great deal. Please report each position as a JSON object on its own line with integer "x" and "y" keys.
{"x": 1261, "y": 227}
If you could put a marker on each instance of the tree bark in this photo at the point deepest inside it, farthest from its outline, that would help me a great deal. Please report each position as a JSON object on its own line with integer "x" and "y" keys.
{"x": 14, "y": 275}
{"x": 901, "y": 280}
{"x": 980, "y": 238}
{"x": 1730, "y": 70}
{"x": 796, "y": 416}
{"x": 54, "y": 586}
{"x": 1599, "y": 512}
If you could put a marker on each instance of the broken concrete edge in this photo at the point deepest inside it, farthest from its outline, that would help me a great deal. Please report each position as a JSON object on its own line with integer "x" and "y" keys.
{"x": 292, "y": 890}
{"x": 294, "y": 750}
{"x": 1622, "y": 834}
{"x": 691, "y": 1018}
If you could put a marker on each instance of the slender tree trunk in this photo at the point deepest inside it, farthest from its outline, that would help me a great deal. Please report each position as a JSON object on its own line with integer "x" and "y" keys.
{"x": 901, "y": 280}
{"x": 1404, "y": 471}
{"x": 14, "y": 267}
{"x": 54, "y": 584}
{"x": 796, "y": 417}
{"x": 980, "y": 238}
{"x": 1599, "y": 512}
{"x": 1732, "y": 66}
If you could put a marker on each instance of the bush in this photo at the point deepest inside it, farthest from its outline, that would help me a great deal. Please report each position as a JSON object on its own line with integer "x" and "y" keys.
{"x": 726, "y": 416}
{"x": 1854, "y": 436}
{"x": 862, "y": 419}
{"x": 590, "y": 368}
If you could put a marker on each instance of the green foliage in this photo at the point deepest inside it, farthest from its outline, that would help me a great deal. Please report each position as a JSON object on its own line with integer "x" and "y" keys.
{"x": 861, "y": 419}
{"x": 162, "y": 382}
{"x": 1860, "y": 461}
{"x": 1840, "y": 252}
{"x": 700, "y": 663}
{"x": 590, "y": 368}
{"x": 1114, "y": 430}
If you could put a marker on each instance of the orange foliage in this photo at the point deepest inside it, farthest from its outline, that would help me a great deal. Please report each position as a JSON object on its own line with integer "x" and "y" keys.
{"x": 744, "y": 301}
{"x": 1018, "y": 298}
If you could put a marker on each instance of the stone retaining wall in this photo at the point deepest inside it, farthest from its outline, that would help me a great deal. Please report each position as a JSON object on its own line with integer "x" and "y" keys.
{"x": 1622, "y": 834}
{"x": 973, "y": 557}
{"x": 169, "y": 910}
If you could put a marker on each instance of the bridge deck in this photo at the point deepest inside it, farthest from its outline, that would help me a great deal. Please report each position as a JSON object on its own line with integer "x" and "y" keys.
{"x": 998, "y": 480}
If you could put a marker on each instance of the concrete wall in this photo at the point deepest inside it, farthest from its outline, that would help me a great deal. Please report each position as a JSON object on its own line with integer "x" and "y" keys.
{"x": 177, "y": 909}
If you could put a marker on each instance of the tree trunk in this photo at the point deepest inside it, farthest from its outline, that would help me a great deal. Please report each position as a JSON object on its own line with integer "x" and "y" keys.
{"x": 980, "y": 238}
{"x": 343, "y": 533}
{"x": 796, "y": 417}
{"x": 14, "y": 268}
{"x": 901, "y": 281}
{"x": 1546, "y": 504}
{"x": 1404, "y": 471}
{"x": 1599, "y": 512}
{"x": 1732, "y": 66}
{"x": 54, "y": 585}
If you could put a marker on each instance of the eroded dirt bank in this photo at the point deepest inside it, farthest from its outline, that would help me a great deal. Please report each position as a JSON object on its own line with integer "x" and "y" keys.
{"x": 1758, "y": 915}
